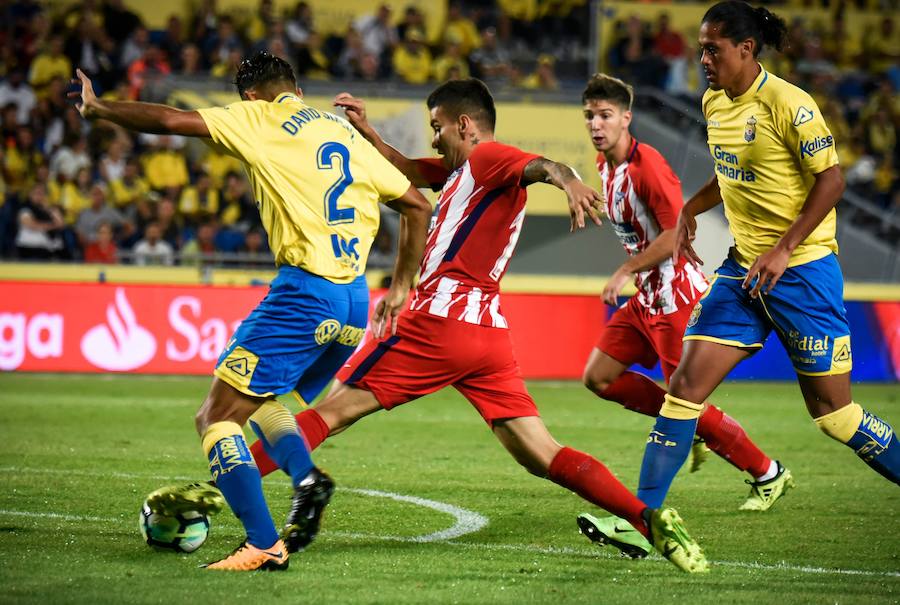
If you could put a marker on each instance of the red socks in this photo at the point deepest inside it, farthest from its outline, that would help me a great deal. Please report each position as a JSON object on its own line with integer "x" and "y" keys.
{"x": 590, "y": 479}
{"x": 635, "y": 392}
{"x": 725, "y": 436}
{"x": 313, "y": 429}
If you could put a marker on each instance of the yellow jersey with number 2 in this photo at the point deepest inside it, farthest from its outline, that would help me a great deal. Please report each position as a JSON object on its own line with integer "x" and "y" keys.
{"x": 766, "y": 146}
{"x": 316, "y": 181}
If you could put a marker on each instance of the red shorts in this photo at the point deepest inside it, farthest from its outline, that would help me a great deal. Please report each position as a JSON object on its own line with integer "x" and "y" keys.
{"x": 633, "y": 335}
{"x": 429, "y": 353}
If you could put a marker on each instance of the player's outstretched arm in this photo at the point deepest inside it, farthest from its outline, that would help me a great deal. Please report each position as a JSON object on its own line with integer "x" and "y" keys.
{"x": 707, "y": 197}
{"x": 415, "y": 214}
{"x": 143, "y": 117}
{"x": 355, "y": 110}
{"x": 824, "y": 195}
{"x": 582, "y": 199}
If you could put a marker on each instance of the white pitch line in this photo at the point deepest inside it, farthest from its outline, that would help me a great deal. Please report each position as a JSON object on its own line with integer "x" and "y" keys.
{"x": 441, "y": 536}
{"x": 467, "y": 522}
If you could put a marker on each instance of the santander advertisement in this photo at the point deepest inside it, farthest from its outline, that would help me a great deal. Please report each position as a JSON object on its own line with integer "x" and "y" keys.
{"x": 154, "y": 329}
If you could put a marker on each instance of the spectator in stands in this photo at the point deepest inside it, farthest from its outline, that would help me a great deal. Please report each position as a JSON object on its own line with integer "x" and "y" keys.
{"x": 383, "y": 252}
{"x": 103, "y": 249}
{"x": 75, "y": 195}
{"x": 223, "y": 42}
{"x": 350, "y": 55}
{"x": 451, "y": 65}
{"x": 190, "y": 63}
{"x": 90, "y": 49}
{"x": 199, "y": 202}
{"x": 164, "y": 167}
{"x": 20, "y": 160}
{"x": 254, "y": 251}
{"x": 40, "y": 229}
{"x": 34, "y": 38}
{"x": 150, "y": 68}
{"x": 112, "y": 162}
{"x": 140, "y": 213}
{"x": 368, "y": 67}
{"x": 228, "y": 68}
{"x": 170, "y": 224}
{"x": 312, "y": 62}
{"x": 152, "y": 249}
{"x": 48, "y": 64}
{"x": 632, "y": 56}
{"x": 670, "y": 45}
{"x": 412, "y": 19}
{"x": 172, "y": 43}
{"x": 134, "y": 47}
{"x": 235, "y": 206}
{"x": 261, "y": 22}
{"x": 300, "y": 25}
{"x": 118, "y": 21}
{"x": 217, "y": 165}
{"x": 882, "y": 50}
{"x": 99, "y": 213}
{"x": 16, "y": 91}
{"x": 204, "y": 26}
{"x": 130, "y": 186}
{"x": 461, "y": 28}
{"x": 543, "y": 77}
{"x": 70, "y": 158}
{"x": 412, "y": 59}
{"x": 841, "y": 48}
{"x": 378, "y": 36}
{"x": 42, "y": 177}
{"x": 201, "y": 249}
{"x": 491, "y": 61}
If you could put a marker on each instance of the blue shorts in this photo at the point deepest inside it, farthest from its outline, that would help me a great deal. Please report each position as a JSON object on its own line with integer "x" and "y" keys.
{"x": 298, "y": 337}
{"x": 806, "y": 308}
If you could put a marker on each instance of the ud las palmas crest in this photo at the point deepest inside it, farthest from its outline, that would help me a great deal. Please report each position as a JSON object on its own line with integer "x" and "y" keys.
{"x": 750, "y": 129}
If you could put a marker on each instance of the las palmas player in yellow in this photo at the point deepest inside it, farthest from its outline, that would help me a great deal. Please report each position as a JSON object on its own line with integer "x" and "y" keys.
{"x": 777, "y": 174}
{"x": 317, "y": 184}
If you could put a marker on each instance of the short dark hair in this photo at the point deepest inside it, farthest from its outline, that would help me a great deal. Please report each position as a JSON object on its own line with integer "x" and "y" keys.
{"x": 740, "y": 22}
{"x": 602, "y": 87}
{"x": 262, "y": 68}
{"x": 470, "y": 97}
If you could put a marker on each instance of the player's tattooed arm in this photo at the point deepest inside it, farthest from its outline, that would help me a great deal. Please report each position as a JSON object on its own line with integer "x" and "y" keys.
{"x": 355, "y": 110}
{"x": 142, "y": 117}
{"x": 582, "y": 199}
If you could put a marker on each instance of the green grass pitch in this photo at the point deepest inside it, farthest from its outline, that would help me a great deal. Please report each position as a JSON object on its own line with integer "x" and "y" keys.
{"x": 79, "y": 453}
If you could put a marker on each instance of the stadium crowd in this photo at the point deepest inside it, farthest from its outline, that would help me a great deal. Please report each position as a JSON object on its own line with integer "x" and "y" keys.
{"x": 102, "y": 194}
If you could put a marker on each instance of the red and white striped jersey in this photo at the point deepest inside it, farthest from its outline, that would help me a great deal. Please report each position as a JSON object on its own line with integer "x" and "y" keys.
{"x": 643, "y": 198}
{"x": 479, "y": 217}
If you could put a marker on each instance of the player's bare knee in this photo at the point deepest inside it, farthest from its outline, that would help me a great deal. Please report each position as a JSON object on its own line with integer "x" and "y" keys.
{"x": 680, "y": 386}
{"x": 594, "y": 381}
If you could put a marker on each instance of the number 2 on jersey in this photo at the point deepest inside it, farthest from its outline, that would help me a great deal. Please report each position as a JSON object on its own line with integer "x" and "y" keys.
{"x": 325, "y": 158}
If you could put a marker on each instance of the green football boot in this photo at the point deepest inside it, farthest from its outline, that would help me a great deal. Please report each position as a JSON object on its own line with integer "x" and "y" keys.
{"x": 699, "y": 454}
{"x": 764, "y": 494}
{"x": 203, "y": 497}
{"x": 617, "y": 532}
{"x": 671, "y": 539}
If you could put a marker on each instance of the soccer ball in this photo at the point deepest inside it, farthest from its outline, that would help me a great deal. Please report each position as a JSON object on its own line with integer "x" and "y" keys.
{"x": 185, "y": 532}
